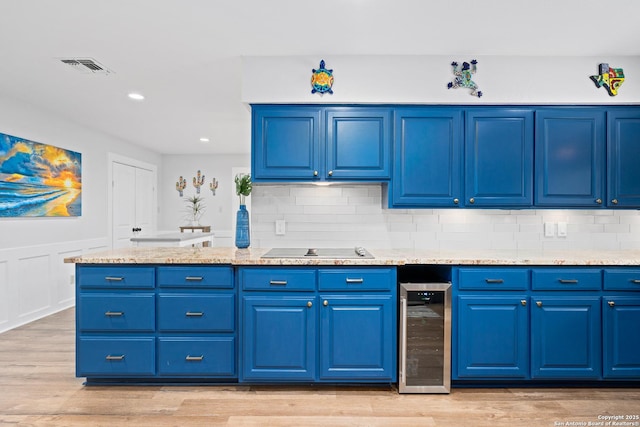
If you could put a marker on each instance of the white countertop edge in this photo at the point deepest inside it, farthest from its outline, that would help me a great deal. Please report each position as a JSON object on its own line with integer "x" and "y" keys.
{"x": 389, "y": 257}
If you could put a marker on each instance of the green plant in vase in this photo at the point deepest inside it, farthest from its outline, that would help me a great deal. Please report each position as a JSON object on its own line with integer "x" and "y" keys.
{"x": 243, "y": 189}
{"x": 195, "y": 209}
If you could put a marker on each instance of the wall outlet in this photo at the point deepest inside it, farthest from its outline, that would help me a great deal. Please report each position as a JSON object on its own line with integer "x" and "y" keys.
{"x": 280, "y": 227}
{"x": 549, "y": 229}
{"x": 562, "y": 229}
{"x": 72, "y": 279}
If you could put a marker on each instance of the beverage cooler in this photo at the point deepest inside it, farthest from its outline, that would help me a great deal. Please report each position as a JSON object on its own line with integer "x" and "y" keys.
{"x": 425, "y": 338}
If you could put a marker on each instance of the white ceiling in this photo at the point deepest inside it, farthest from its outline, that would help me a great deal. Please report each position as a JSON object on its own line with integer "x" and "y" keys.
{"x": 184, "y": 55}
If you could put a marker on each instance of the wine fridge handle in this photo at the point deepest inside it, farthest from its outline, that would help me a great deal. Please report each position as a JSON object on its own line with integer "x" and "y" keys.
{"x": 403, "y": 320}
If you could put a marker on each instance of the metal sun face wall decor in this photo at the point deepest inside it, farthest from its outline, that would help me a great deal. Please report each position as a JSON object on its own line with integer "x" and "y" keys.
{"x": 322, "y": 80}
{"x": 38, "y": 180}
{"x": 609, "y": 78}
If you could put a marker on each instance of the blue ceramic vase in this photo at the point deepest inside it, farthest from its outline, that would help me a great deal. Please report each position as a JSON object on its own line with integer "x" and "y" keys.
{"x": 242, "y": 227}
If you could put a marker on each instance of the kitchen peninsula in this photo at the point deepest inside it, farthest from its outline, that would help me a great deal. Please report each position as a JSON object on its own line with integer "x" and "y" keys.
{"x": 164, "y": 314}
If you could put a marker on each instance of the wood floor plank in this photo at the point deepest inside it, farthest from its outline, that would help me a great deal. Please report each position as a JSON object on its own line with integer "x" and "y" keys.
{"x": 38, "y": 387}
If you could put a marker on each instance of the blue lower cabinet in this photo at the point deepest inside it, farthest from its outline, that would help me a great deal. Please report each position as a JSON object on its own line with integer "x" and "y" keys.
{"x": 493, "y": 337}
{"x": 279, "y": 338}
{"x": 196, "y": 312}
{"x": 115, "y": 356}
{"x": 357, "y": 339}
{"x": 197, "y": 356}
{"x": 621, "y": 319}
{"x": 566, "y": 337}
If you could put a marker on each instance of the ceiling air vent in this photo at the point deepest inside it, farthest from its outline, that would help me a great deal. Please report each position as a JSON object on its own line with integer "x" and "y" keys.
{"x": 86, "y": 65}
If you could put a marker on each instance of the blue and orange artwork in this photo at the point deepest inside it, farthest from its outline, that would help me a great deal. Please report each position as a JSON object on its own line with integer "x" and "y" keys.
{"x": 322, "y": 80}
{"x": 609, "y": 78}
{"x": 38, "y": 180}
{"x": 463, "y": 78}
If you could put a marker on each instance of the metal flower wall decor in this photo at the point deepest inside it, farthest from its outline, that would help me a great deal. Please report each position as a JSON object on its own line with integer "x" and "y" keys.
{"x": 463, "y": 75}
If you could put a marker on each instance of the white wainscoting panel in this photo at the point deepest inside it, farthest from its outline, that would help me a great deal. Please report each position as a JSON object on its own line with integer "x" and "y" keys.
{"x": 35, "y": 282}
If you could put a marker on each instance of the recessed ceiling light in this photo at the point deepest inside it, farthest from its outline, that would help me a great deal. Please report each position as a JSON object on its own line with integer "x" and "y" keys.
{"x": 136, "y": 96}
{"x": 204, "y": 139}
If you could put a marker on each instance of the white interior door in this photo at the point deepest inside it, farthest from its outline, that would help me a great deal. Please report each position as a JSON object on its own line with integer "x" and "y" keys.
{"x": 133, "y": 202}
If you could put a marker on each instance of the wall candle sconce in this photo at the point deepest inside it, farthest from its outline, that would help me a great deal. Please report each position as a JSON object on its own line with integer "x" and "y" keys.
{"x": 198, "y": 180}
{"x": 181, "y": 184}
{"x": 213, "y": 185}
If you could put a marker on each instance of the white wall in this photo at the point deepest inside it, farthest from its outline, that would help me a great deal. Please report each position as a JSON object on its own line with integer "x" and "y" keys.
{"x": 344, "y": 215}
{"x": 423, "y": 80}
{"x": 34, "y": 281}
{"x": 352, "y": 214}
{"x": 220, "y": 209}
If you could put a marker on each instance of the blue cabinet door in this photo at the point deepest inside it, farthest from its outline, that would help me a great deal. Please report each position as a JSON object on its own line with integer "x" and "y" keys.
{"x": 621, "y": 319}
{"x": 358, "y": 143}
{"x": 623, "y": 152}
{"x": 566, "y": 337}
{"x": 285, "y": 143}
{"x": 279, "y": 338}
{"x": 492, "y": 340}
{"x": 358, "y": 340}
{"x": 570, "y": 157}
{"x": 499, "y": 157}
{"x": 427, "y": 157}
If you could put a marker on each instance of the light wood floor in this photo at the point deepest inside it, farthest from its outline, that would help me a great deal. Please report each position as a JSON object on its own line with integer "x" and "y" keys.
{"x": 38, "y": 388}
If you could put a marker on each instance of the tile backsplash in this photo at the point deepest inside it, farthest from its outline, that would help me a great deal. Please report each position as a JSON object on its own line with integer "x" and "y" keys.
{"x": 353, "y": 214}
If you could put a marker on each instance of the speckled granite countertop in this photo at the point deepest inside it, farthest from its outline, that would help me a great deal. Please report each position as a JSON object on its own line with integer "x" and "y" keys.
{"x": 252, "y": 256}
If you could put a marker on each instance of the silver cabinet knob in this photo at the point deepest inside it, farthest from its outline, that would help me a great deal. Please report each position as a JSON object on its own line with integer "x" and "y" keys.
{"x": 330, "y": 173}
{"x": 456, "y": 201}
{"x": 325, "y": 303}
{"x": 523, "y": 302}
{"x": 539, "y": 303}
{"x": 599, "y": 201}
{"x": 309, "y": 304}
{"x": 611, "y": 303}
{"x": 315, "y": 173}
{"x": 614, "y": 202}
{"x": 472, "y": 200}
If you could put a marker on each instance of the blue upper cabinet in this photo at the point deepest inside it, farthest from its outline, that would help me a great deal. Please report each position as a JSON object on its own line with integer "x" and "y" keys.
{"x": 358, "y": 143}
{"x": 427, "y": 157}
{"x": 623, "y": 152}
{"x": 499, "y": 157}
{"x": 570, "y": 157}
{"x": 285, "y": 142}
{"x": 307, "y": 143}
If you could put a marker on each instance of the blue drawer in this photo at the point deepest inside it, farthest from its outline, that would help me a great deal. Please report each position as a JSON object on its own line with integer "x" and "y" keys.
{"x": 196, "y": 277}
{"x": 115, "y": 312}
{"x": 278, "y": 279}
{"x": 622, "y": 279}
{"x": 198, "y": 313}
{"x": 356, "y": 279}
{"x": 510, "y": 279}
{"x": 116, "y": 277}
{"x": 197, "y": 356}
{"x": 566, "y": 279}
{"x": 122, "y": 356}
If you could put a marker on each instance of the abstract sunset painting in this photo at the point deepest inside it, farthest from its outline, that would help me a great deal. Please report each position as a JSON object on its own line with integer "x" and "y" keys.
{"x": 38, "y": 180}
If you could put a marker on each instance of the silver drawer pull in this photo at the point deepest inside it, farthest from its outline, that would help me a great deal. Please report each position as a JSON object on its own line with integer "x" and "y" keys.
{"x": 113, "y": 279}
{"x": 194, "y": 314}
{"x": 194, "y": 358}
{"x": 494, "y": 280}
{"x": 358, "y": 280}
{"x": 568, "y": 281}
{"x": 278, "y": 282}
{"x": 114, "y": 313}
{"x": 194, "y": 278}
{"x": 120, "y": 357}
{"x": 635, "y": 281}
